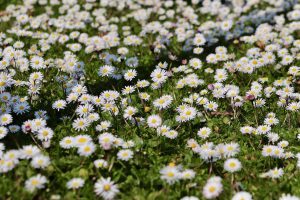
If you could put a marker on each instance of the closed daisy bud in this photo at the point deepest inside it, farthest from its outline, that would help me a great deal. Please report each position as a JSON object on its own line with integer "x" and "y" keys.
{"x": 147, "y": 109}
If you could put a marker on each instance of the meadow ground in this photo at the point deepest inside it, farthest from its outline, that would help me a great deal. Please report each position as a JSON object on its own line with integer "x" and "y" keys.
{"x": 150, "y": 99}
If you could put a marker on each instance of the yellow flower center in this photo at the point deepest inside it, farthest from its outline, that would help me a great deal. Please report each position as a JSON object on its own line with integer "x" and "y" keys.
{"x": 106, "y": 187}
{"x": 81, "y": 140}
{"x": 170, "y": 174}
{"x": 212, "y": 189}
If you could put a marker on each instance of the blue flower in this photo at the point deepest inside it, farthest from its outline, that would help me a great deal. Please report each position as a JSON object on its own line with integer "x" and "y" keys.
{"x": 132, "y": 62}
{"x": 110, "y": 58}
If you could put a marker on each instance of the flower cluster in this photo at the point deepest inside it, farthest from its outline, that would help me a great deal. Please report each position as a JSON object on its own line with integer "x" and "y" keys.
{"x": 96, "y": 96}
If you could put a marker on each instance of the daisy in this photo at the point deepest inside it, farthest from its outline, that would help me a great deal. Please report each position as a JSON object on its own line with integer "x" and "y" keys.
{"x": 79, "y": 89}
{"x": 106, "y": 188}
{"x": 232, "y": 165}
{"x": 259, "y": 103}
{"x": 118, "y": 142}
{"x": 198, "y": 50}
{"x": 188, "y": 174}
{"x": 191, "y": 143}
{"x": 81, "y": 140}
{"x": 163, "y": 129}
{"x": 189, "y": 113}
{"x": 159, "y": 76}
{"x": 288, "y": 197}
{"x": 80, "y": 124}
{"x": 106, "y": 140}
{"x": 278, "y": 152}
{"x": 106, "y": 70}
{"x": 201, "y": 101}
{"x": 226, "y": 25}
{"x": 128, "y": 90}
{"x": 125, "y": 154}
{"x": 3, "y": 132}
{"x": 271, "y": 121}
{"x": 231, "y": 149}
{"x": 100, "y": 163}
{"x": 41, "y": 114}
{"x": 130, "y": 74}
{"x": 13, "y": 129}
{"x": 59, "y": 104}
{"x": 84, "y": 110}
{"x": 37, "y": 62}
{"x": 195, "y": 63}
{"x": 287, "y": 59}
{"x": 212, "y": 188}
{"x": 110, "y": 95}
{"x": 242, "y": 196}
{"x": 35, "y": 182}
{"x": 36, "y": 77}
{"x": 85, "y": 99}
{"x": 144, "y": 96}
{"x": 199, "y": 40}
{"x": 247, "y": 130}
{"x": 129, "y": 112}
{"x": 170, "y": 174}
{"x": 27, "y": 126}
{"x": 211, "y": 106}
{"x": 75, "y": 183}
{"x": 67, "y": 142}
{"x": 204, "y": 132}
{"x": 74, "y": 47}
{"x": 5, "y": 119}
{"x": 122, "y": 50}
{"x": 97, "y": 101}
{"x": 103, "y": 126}
{"x": 13, "y": 155}
{"x": 294, "y": 70}
{"x": 273, "y": 137}
{"x": 267, "y": 150}
{"x": 163, "y": 102}
{"x": 273, "y": 173}
{"x": 45, "y": 134}
{"x": 142, "y": 84}
{"x": 263, "y": 129}
{"x": 189, "y": 198}
{"x": 294, "y": 106}
{"x": 72, "y": 97}
{"x": 29, "y": 151}
{"x": 5, "y": 96}
{"x": 172, "y": 134}
{"x": 154, "y": 121}
{"x": 211, "y": 58}
{"x": 86, "y": 149}
{"x": 283, "y": 144}
{"x": 93, "y": 117}
{"x": 39, "y": 123}
{"x": 221, "y": 75}
{"x": 128, "y": 144}
{"x": 40, "y": 161}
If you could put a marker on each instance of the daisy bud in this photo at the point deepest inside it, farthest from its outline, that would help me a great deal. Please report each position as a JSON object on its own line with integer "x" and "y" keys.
{"x": 250, "y": 97}
{"x": 46, "y": 144}
{"x": 147, "y": 109}
{"x": 231, "y": 69}
{"x": 27, "y": 128}
{"x": 211, "y": 86}
{"x": 83, "y": 173}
